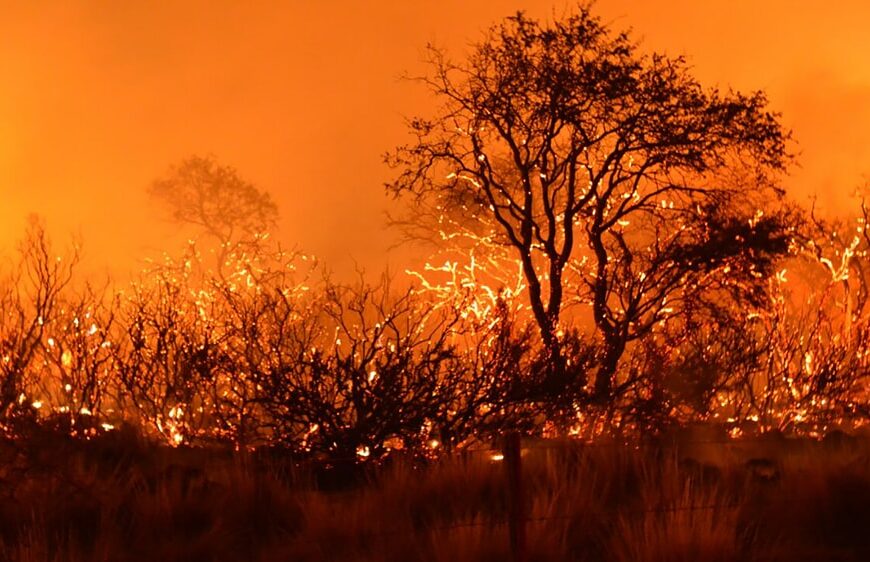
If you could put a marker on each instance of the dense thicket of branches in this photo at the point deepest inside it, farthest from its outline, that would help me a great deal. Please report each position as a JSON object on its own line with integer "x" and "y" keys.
{"x": 265, "y": 351}
{"x": 274, "y": 353}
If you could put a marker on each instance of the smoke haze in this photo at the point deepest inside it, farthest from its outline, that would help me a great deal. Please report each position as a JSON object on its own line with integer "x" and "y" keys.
{"x": 303, "y": 98}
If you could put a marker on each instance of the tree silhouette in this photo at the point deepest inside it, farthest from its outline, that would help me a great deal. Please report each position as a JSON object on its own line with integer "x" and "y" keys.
{"x": 29, "y": 297}
{"x": 200, "y": 192}
{"x": 618, "y": 181}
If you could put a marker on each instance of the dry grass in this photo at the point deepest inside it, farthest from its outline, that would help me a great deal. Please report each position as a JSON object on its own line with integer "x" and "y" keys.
{"x": 130, "y": 501}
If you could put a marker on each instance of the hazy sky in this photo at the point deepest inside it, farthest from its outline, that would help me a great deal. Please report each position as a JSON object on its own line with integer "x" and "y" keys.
{"x": 303, "y": 97}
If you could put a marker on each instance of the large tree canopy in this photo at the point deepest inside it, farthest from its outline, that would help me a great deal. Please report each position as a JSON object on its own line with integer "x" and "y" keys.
{"x": 618, "y": 180}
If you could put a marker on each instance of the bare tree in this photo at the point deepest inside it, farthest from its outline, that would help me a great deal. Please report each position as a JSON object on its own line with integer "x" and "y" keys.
{"x": 373, "y": 374}
{"x": 28, "y": 301}
{"x": 266, "y": 315}
{"x": 167, "y": 353}
{"x": 816, "y": 332}
{"x": 617, "y": 180}
{"x": 77, "y": 378}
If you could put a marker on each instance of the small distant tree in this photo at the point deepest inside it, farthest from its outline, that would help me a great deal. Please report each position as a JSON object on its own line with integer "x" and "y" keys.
{"x": 617, "y": 180}
{"x": 217, "y": 200}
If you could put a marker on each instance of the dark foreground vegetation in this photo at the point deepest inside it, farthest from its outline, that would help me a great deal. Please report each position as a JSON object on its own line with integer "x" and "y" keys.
{"x": 119, "y": 498}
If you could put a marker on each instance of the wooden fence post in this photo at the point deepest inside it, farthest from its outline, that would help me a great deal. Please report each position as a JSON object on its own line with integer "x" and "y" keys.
{"x": 516, "y": 498}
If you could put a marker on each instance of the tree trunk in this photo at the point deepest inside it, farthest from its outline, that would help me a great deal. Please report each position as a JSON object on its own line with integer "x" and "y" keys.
{"x": 614, "y": 347}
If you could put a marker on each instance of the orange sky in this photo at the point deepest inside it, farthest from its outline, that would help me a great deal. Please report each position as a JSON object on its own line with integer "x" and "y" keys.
{"x": 98, "y": 98}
